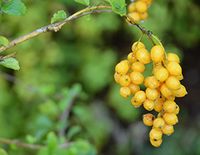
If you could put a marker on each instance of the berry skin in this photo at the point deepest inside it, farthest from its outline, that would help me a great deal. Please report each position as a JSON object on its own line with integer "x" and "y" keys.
{"x": 144, "y": 15}
{"x": 173, "y": 83}
{"x": 148, "y": 2}
{"x": 158, "y": 122}
{"x": 140, "y": 96}
{"x": 157, "y": 53}
{"x": 168, "y": 129}
{"x": 177, "y": 109}
{"x": 148, "y": 119}
{"x": 156, "y": 143}
{"x": 151, "y": 82}
{"x": 122, "y": 67}
{"x": 143, "y": 56}
{"x": 181, "y": 92}
{"x": 155, "y": 134}
{"x": 131, "y": 58}
{"x": 170, "y": 118}
{"x": 134, "y": 88}
{"x": 124, "y": 80}
{"x": 161, "y": 74}
{"x": 136, "y": 78}
{"x": 131, "y": 7}
{"x": 174, "y": 68}
{"x": 137, "y": 45}
{"x": 169, "y": 106}
{"x": 152, "y": 94}
{"x": 117, "y": 77}
{"x": 148, "y": 105}
{"x": 166, "y": 92}
{"x": 125, "y": 92}
{"x": 138, "y": 67}
{"x": 173, "y": 57}
{"x": 135, "y": 16}
{"x": 135, "y": 104}
{"x": 158, "y": 106}
{"x": 141, "y": 6}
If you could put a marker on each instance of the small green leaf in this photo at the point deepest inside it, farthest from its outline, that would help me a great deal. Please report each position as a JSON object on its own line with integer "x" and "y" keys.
{"x": 58, "y": 16}
{"x": 52, "y": 142}
{"x": 84, "y": 2}
{"x": 3, "y": 152}
{"x": 118, "y": 6}
{"x": 14, "y": 7}
{"x": 3, "y": 41}
{"x": 11, "y": 63}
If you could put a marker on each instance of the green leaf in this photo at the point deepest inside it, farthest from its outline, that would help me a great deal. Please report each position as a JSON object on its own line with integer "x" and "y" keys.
{"x": 58, "y": 16}
{"x": 3, "y": 41}
{"x": 118, "y": 6}
{"x": 14, "y": 7}
{"x": 52, "y": 142}
{"x": 3, "y": 152}
{"x": 84, "y": 2}
{"x": 11, "y": 63}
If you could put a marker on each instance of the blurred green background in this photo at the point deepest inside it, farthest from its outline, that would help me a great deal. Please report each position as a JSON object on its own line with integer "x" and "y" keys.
{"x": 73, "y": 69}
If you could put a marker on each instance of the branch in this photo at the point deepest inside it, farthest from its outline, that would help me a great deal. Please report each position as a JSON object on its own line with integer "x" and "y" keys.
{"x": 56, "y": 26}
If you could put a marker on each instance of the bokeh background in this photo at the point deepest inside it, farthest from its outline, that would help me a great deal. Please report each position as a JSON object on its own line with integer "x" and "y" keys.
{"x": 73, "y": 69}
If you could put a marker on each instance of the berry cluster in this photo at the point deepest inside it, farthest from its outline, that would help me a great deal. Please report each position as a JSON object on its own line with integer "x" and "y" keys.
{"x": 161, "y": 87}
{"x": 138, "y": 10}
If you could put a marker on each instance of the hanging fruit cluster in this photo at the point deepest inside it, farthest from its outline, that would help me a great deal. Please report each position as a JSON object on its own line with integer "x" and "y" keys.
{"x": 161, "y": 87}
{"x": 138, "y": 9}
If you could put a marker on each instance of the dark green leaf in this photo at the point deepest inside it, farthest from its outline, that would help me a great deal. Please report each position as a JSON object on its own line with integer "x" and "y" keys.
{"x": 14, "y": 7}
{"x": 11, "y": 63}
{"x": 84, "y": 2}
{"x": 3, "y": 41}
{"x": 118, "y": 6}
{"x": 58, "y": 16}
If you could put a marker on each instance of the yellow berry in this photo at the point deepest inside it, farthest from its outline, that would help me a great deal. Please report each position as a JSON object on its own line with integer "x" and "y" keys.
{"x": 148, "y": 119}
{"x": 181, "y": 92}
{"x": 148, "y": 2}
{"x": 144, "y": 16}
{"x": 155, "y": 134}
{"x": 134, "y": 88}
{"x": 173, "y": 57}
{"x": 158, "y": 122}
{"x": 177, "y": 109}
{"x": 131, "y": 7}
{"x": 135, "y": 104}
{"x": 117, "y": 77}
{"x": 168, "y": 129}
{"x": 124, "y": 80}
{"x": 122, "y": 67}
{"x": 180, "y": 77}
{"x": 173, "y": 83}
{"x": 157, "y": 53}
{"x": 140, "y": 96}
{"x": 169, "y": 106}
{"x": 148, "y": 105}
{"x": 138, "y": 67}
{"x": 156, "y": 143}
{"x": 174, "y": 68}
{"x": 137, "y": 45}
{"x": 166, "y": 92}
{"x": 136, "y": 78}
{"x": 135, "y": 16}
{"x": 125, "y": 92}
{"x": 151, "y": 82}
{"x": 152, "y": 94}
{"x": 170, "y": 118}
{"x": 143, "y": 56}
{"x": 141, "y": 6}
{"x": 158, "y": 106}
{"x": 161, "y": 74}
{"x": 131, "y": 58}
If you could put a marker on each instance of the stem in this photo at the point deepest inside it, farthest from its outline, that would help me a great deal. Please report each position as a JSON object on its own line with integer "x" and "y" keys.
{"x": 56, "y": 26}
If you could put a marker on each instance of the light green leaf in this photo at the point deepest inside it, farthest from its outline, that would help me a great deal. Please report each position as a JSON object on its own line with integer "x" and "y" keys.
{"x": 118, "y": 6}
{"x": 52, "y": 142}
{"x": 11, "y": 63}
{"x": 58, "y": 16}
{"x": 3, "y": 152}
{"x": 14, "y": 7}
{"x": 3, "y": 41}
{"x": 84, "y": 2}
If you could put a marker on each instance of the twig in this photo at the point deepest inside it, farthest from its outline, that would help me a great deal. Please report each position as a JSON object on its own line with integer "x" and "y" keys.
{"x": 56, "y": 26}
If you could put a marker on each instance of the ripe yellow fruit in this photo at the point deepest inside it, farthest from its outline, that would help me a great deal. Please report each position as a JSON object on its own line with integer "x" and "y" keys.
{"x": 174, "y": 68}
{"x": 181, "y": 92}
{"x": 173, "y": 57}
{"x": 168, "y": 129}
{"x": 138, "y": 67}
{"x": 156, "y": 143}
{"x": 125, "y": 92}
{"x": 148, "y": 2}
{"x": 140, "y": 96}
{"x": 143, "y": 56}
{"x": 169, "y": 106}
{"x": 144, "y": 15}
{"x": 152, "y": 94}
{"x": 151, "y": 82}
{"x": 135, "y": 16}
{"x": 136, "y": 78}
{"x": 131, "y": 7}
{"x": 131, "y": 58}
{"x": 134, "y": 88}
{"x": 173, "y": 83}
{"x": 135, "y": 104}
{"x": 148, "y": 105}
{"x": 155, "y": 134}
{"x": 141, "y": 6}
{"x": 177, "y": 109}
{"x": 161, "y": 74}
{"x": 157, "y": 53}
{"x": 125, "y": 80}
{"x": 158, "y": 106}
{"x": 170, "y": 118}
{"x": 117, "y": 77}
{"x": 148, "y": 119}
{"x": 165, "y": 91}
{"x": 158, "y": 122}
{"x": 122, "y": 67}
{"x": 137, "y": 45}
